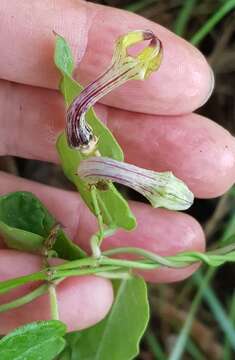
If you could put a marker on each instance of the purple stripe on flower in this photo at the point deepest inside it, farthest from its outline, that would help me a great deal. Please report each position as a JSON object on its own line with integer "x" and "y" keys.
{"x": 161, "y": 189}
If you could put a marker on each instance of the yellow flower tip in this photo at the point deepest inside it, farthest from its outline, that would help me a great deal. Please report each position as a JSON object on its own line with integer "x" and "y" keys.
{"x": 148, "y": 60}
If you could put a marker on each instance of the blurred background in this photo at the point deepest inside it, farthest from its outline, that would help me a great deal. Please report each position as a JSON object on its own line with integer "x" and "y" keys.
{"x": 194, "y": 319}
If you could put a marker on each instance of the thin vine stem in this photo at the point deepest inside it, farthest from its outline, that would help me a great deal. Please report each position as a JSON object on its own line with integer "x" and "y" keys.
{"x": 53, "y": 301}
{"x": 41, "y": 290}
{"x": 8, "y": 285}
{"x": 105, "y": 264}
{"x": 141, "y": 252}
{"x": 96, "y": 239}
{"x": 97, "y": 210}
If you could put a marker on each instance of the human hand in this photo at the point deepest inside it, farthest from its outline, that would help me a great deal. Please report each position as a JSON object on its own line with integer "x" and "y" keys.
{"x": 161, "y": 133}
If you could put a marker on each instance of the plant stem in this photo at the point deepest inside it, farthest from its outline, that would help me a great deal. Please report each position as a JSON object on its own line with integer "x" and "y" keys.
{"x": 213, "y": 20}
{"x": 41, "y": 290}
{"x": 129, "y": 263}
{"x": 93, "y": 265}
{"x": 97, "y": 211}
{"x": 115, "y": 275}
{"x": 96, "y": 240}
{"x": 8, "y": 285}
{"x": 53, "y": 301}
{"x": 138, "y": 251}
{"x": 89, "y": 271}
{"x": 89, "y": 261}
{"x": 95, "y": 249}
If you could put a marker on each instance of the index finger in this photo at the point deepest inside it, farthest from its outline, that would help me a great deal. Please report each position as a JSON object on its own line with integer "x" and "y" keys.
{"x": 183, "y": 82}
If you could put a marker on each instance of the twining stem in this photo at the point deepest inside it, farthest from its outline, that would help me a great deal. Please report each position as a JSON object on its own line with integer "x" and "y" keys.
{"x": 53, "y": 301}
{"x": 41, "y": 290}
{"x": 89, "y": 271}
{"x": 91, "y": 265}
{"x": 141, "y": 252}
{"x": 8, "y": 285}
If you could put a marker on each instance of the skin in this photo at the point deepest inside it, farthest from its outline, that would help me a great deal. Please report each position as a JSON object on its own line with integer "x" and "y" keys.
{"x": 162, "y": 134}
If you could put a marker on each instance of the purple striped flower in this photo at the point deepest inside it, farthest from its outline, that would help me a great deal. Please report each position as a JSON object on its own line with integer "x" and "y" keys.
{"x": 123, "y": 67}
{"x": 161, "y": 189}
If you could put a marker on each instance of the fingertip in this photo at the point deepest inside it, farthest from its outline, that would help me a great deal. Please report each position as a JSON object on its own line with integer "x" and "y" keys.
{"x": 182, "y": 84}
{"x": 84, "y": 301}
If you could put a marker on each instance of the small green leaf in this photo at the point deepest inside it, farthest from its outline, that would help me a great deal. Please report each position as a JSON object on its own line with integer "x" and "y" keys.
{"x": 114, "y": 208}
{"x": 20, "y": 239}
{"x": 63, "y": 57}
{"x": 42, "y": 340}
{"x": 117, "y": 337}
{"x": 67, "y": 249}
{"x": 22, "y": 210}
{"x": 25, "y": 223}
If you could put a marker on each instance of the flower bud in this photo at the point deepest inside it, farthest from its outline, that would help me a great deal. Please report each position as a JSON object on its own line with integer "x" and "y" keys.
{"x": 161, "y": 189}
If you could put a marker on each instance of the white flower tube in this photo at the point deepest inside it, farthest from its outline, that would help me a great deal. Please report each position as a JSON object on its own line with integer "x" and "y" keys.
{"x": 161, "y": 189}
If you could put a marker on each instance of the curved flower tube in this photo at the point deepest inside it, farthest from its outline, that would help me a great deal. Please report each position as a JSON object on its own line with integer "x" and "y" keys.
{"x": 161, "y": 189}
{"x": 123, "y": 68}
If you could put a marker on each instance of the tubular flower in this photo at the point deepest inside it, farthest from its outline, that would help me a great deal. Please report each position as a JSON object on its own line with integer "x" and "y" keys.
{"x": 161, "y": 189}
{"x": 123, "y": 67}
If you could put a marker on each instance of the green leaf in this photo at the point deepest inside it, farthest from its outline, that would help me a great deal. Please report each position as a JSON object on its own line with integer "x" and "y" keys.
{"x": 117, "y": 337}
{"x": 25, "y": 223}
{"x": 114, "y": 208}
{"x": 20, "y": 239}
{"x": 66, "y": 248}
{"x": 24, "y": 211}
{"x": 42, "y": 340}
{"x": 63, "y": 57}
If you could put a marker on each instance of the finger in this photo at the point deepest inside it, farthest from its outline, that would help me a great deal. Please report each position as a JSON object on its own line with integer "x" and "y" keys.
{"x": 196, "y": 149}
{"x": 83, "y": 301}
{"x": 160, "y": 231}
{"x": 183, "y": 83}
